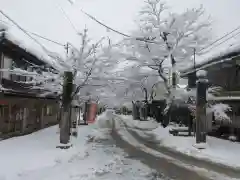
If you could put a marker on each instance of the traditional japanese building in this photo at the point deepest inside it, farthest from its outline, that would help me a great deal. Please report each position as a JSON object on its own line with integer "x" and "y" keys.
{"x": 223, "y": 71}
{"x": 22, "y": 109}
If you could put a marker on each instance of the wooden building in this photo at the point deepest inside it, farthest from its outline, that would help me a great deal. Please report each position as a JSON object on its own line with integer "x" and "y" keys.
{"x": 222, "y": 71}
{"x": 22, "y": 110}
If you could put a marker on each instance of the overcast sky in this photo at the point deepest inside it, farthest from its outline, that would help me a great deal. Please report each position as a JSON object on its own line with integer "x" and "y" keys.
{"x": 46, "y": 18}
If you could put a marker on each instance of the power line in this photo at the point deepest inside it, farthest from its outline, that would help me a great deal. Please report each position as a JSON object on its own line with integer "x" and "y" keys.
{"x": 217, "y": 40}
{"x": 149, "y": 41}
{"x": 118, "y": 32}
{"x": 69, "y": 20}
{"x": 238, "y": 33}
{"x": 47, "y": 39}
{"x": 38, "y": 35}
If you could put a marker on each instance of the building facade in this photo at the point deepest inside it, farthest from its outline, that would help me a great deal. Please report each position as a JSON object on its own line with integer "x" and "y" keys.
{"x": 22, "y": 110}
{"x": 222, "y": 71}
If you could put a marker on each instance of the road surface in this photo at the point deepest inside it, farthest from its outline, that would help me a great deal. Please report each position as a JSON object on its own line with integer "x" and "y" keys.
{"x": 165, "y": 168}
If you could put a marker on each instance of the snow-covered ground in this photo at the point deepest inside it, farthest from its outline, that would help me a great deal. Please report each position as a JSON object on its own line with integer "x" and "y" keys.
{"x": 92, "y": 157}
{"x": 150, "y": 124}
{"x": 126, "y": 136}
{"x": 217, "y": 150}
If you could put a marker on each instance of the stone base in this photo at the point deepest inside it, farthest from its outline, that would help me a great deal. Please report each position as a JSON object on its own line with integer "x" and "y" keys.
{"x": 64, "y": 146}
{"x": 200, "y": 145}
{"x": 83, "y": 124}
{"x": 74, "y": 133}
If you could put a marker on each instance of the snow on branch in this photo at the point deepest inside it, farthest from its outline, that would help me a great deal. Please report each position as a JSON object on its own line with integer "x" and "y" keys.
{"x": 177, "y": 34}
{"x": 220, "y": 112}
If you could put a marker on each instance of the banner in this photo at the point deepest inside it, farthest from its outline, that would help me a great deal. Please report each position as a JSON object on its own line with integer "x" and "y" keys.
{"x": 92, "y": 113}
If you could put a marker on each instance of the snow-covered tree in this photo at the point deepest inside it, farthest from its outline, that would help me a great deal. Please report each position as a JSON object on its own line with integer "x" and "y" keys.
{"x": 90, "y": 66}
{"x": 170, "y": 42}
{"x": 140, "y": 83}
{"x": 173, "y": 38}
{"x": 219, "y": 110}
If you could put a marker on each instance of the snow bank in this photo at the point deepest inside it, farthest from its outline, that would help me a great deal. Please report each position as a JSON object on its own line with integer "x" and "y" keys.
{"x": 147, "y": 125}
{"x": 102, "y": 127}
{"x": 104, "y": 120}
{"x": 215, "y": 150}
{"x": 37, "y": 151}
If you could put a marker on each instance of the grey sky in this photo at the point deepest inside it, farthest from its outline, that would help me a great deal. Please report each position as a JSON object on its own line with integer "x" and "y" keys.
{"x": 45, "y": 17}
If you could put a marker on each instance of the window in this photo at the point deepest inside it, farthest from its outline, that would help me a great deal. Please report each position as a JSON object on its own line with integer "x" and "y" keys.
{"x": 48, "y": 110}
{"x": 30, "y": 69}
{"x": 14, "y": 77}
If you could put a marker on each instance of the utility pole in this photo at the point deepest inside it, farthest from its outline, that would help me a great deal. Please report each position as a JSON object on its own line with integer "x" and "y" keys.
{"x": 201, "y": 104}
{"x": 174, "y": 76}
{"x": 194, "y": 58}
{"x": 67, "y": 49}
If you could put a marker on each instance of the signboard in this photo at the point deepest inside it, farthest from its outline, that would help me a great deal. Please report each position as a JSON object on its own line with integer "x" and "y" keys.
{"x": 92, "y": 113}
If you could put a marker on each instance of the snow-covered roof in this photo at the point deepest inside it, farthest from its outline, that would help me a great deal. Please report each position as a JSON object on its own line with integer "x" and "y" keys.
{"x": 5, "y": 36}
{"x": 225, "y": 98}
{"x": 220, "y": 57}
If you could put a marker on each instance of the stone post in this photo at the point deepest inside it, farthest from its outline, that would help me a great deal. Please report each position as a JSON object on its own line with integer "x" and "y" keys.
{"x": 202, "y": 84}
{"x": 134, "y": 113}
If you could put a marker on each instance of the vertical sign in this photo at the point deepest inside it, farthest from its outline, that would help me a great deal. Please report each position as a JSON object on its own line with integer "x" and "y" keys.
{"x": 92, "y": 113}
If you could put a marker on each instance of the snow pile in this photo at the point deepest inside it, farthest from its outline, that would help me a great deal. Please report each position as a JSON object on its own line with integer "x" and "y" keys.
{"x": 215, "y": 150}
{"x": 102, "y": 127}
{"x": 147, "y": 125}
{"x": 104, "y": 120}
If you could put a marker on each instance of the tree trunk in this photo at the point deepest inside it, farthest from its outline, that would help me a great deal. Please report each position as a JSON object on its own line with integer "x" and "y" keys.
{"x": 65, "y": 126}
{"x": 66, "y": 105}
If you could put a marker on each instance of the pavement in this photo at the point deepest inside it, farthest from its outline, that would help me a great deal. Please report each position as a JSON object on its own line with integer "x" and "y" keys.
{"x": 166, "y": 168}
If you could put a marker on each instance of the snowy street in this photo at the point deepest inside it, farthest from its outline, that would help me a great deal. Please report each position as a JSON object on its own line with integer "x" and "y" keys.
{"x": 105, "y": 150}
{"x": 93, "y": 156}
{"x": 119, "y": 90}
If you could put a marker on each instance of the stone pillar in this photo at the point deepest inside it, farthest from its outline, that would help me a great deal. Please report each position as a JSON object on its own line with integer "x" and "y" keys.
{"x": 134, "y": 113}
{"x": 201, "y": 104}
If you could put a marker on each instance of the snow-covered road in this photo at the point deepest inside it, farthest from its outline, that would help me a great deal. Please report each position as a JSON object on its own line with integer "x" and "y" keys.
{"x": 93, "y": 156}
{"x": 102, "y": 151}
{"x": 139, "y": 134}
